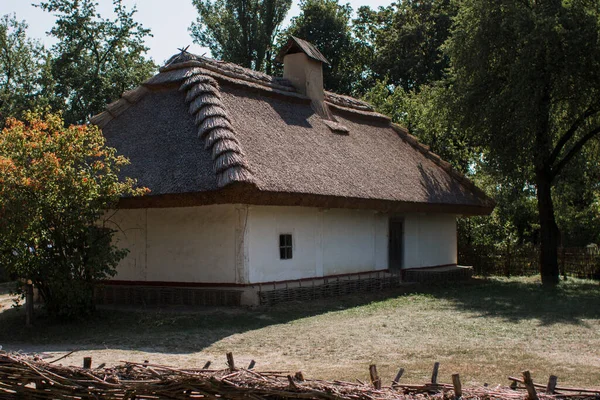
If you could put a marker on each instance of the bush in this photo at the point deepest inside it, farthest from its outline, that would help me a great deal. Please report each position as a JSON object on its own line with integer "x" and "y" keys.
{"x": 56, "y": 185}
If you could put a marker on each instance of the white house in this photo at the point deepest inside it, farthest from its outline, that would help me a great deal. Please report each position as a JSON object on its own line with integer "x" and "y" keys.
{"x": 266, "y": 189}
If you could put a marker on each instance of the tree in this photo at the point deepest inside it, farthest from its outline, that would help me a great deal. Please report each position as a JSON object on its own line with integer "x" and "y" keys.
{"x": 95, "y": 59}
{"x": 405, "y": 39}
{"x": 240, "y": 31}
{"x": 24, "y": 70}
{"x": 577, "y": 198}
{"x": 526, "y": 78}
{"x": 56, "y": 185}
{"x": 326, "y": 24}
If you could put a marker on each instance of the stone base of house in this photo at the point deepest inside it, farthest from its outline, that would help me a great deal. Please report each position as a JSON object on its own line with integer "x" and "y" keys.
{"x": 440, "y": 274}
{"x": 185, "y": 294}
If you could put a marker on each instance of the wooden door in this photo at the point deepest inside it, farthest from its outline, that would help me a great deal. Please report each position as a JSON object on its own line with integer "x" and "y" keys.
{"x": 395, "y": 242}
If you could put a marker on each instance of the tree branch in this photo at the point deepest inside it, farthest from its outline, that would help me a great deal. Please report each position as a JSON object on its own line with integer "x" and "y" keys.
{"x": 574, "y": 150}
{"x": 591, "y": 110}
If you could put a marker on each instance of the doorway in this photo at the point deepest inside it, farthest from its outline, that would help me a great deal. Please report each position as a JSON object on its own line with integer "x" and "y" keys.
{"x": 395, "y": 243}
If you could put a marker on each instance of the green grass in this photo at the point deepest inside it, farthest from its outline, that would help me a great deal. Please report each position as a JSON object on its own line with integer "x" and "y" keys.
{"x": 484, "y": 330}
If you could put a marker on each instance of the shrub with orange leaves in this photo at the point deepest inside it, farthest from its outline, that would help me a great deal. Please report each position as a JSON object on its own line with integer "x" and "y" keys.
{"x": 56, "y": 184}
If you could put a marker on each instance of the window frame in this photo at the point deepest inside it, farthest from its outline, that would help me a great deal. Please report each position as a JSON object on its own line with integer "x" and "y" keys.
{"x": 286, "y": 246}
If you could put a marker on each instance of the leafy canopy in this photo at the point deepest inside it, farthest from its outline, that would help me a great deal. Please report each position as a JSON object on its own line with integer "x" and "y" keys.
{"x": 326, "y": 24}
{"x": 240, "y": 31}
{"x": 404, "y": 40}
{"x": 95, "y": 59}
{"x": 56, "y": 185}
{"x": 24, "y": 72}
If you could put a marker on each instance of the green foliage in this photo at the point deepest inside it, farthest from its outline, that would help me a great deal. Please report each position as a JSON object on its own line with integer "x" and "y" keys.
{"x": 526, "y": 79}
{"x": 577, "y": 199}
{"x": 24, "y": 72}
{"x": 56, "y": 185}
{"x": 95, "y": 59}
{"x": 240, "y": 31}
{"x": 404, "y": 40}
{"x": 528, "y": 72}
{"x": 326, "y": 24}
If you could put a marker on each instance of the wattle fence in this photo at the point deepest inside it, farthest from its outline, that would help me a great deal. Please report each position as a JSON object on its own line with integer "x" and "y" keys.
{"x": 580, "y": 262}
{"x": 30, "y": 377}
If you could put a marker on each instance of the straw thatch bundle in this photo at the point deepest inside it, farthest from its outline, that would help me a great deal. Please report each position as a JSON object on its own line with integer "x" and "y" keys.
{"x": 206, "y": 106}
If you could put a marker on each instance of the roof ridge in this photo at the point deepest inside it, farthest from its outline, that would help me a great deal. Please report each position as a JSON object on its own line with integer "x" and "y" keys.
{"x": 235, "y": 71}
{"x": 348, "y": 101}
{"x": 445, "y": 165}
{"x": 226, "y": 68}
{"x": 181, "y": 66}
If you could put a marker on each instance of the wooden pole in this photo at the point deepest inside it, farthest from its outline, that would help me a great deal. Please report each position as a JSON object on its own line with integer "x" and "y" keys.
{"x": 551, "y": 384}
{"x": 29, "y": 304}
{"x": 457, "y": 386}
{"x": 532, "y": 395}
{"x": 559, "y": 388}
{"x": 434, "y": 374}
{"x": 87, "y": 362}
{"x": 292, "y": 383}
{"x": 398, "y": 376}
{"x": 374, "y": 376}
{"x": 230, "y": 362}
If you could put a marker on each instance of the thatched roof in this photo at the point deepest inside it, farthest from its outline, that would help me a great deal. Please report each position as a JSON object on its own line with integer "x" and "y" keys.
{"x": 216, "y": 132}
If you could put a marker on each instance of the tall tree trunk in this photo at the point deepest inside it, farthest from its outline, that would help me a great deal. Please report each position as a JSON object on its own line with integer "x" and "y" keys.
{"x": 548, "y": 231}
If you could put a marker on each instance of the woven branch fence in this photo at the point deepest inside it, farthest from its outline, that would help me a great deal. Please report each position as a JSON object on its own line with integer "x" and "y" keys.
{"x": 579, "y": 262}
{"x": 30, "y": 377}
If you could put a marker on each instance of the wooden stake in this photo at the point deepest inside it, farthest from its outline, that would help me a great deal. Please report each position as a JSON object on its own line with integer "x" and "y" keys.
{"x": 29, "y": 304}
{"x": 292, "y": 383}
{"x": 230, "y": 362}
{"x": 87, "y": 362}
{"x": 551, "y": 384}
{"x": 532, "y": 395}
{"x": 457, "y": 386}
{"x": 206, "y": 365}
{"x": 559, "y": 388}
{"x": 434, "y": 374}
{"x": 374, "y": 377}
{"x": 398, "y": 376}
{"x": 252, "y": 364}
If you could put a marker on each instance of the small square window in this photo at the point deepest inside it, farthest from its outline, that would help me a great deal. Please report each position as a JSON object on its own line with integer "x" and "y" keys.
{"x": 285, "y": 247}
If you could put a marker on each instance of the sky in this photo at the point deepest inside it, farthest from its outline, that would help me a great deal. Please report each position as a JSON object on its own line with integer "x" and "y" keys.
{"x": 169, "y": 21}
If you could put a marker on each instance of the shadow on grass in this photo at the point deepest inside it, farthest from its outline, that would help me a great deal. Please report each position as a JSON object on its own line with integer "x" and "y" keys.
{"x": 516, "y": 299}
{"x": 172, "y": 330}
{"x": 183, "y": 331}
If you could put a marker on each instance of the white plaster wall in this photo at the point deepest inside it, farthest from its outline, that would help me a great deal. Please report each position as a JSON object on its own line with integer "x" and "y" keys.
{"x": 265, "y": 224}
{"x": 186, "y": 244}
{"x": 325, "y": 242}
{"x": 240, "y": 244}
{"x": 351, "y": 241}
{"x": 429, "y": 240}
{"x": 131, "y": 234}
